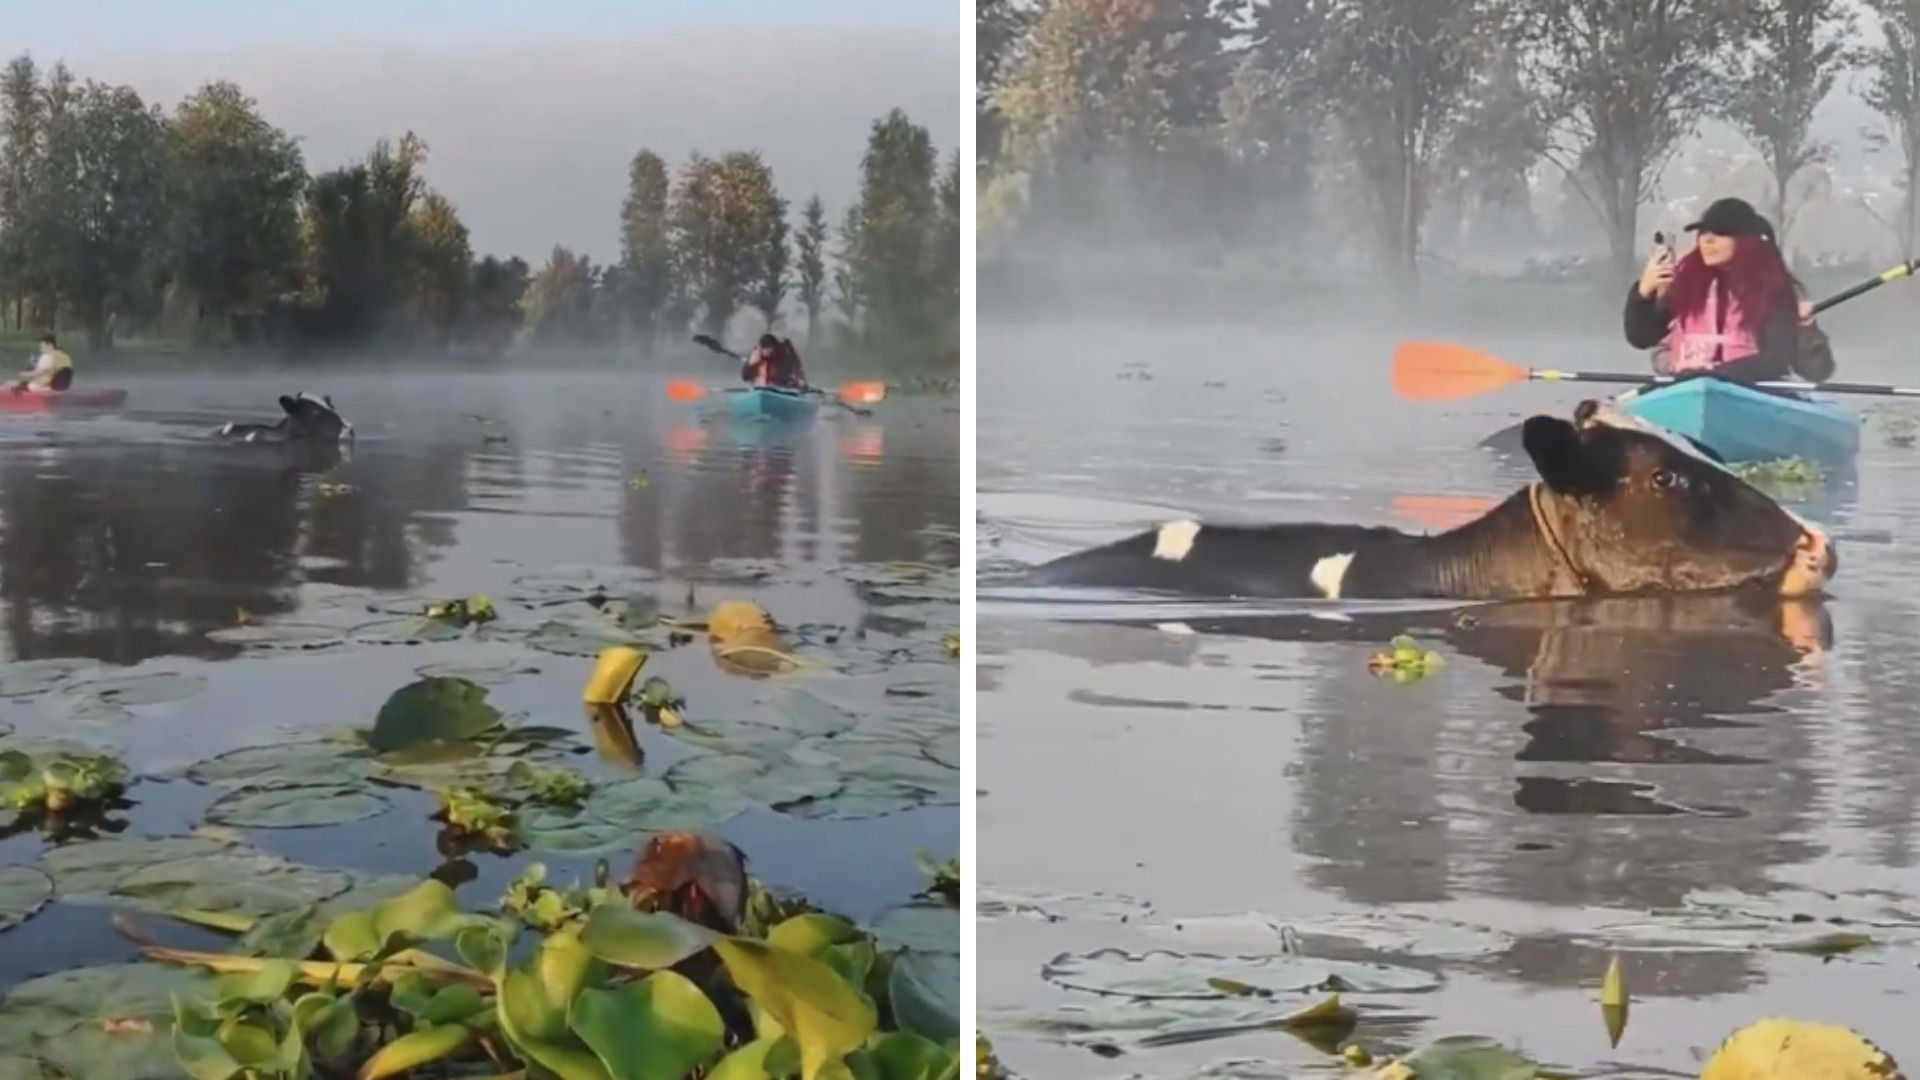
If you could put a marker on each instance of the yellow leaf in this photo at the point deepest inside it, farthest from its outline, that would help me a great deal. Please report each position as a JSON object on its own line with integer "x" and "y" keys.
{"x": 613, "y": 675}
{"x": 826, "y": 1016}
{"x": 1328, "y": 1012}
{"x": 1613, "y": 1003}
{"x": 1780, "y": 1049}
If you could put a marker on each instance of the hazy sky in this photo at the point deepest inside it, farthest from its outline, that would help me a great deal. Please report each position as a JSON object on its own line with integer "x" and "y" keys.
{"x": 532, "y": 109}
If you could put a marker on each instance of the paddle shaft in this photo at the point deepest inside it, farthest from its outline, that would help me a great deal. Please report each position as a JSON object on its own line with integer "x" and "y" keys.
{"x": 1872, "y": 283}
{"x": 1877, "y": 389}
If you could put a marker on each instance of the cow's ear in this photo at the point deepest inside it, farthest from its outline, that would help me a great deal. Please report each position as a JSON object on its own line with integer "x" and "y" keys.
{"x": 1562, "y": 457}
{"x": 289, "y": 405}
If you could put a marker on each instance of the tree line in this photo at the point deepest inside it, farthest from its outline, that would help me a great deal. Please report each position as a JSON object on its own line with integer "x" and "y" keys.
{"x": 204, "y": 223}
{"x": 1225, "y": 118}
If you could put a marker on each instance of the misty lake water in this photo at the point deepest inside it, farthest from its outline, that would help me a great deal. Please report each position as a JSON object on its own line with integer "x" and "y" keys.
{"x": 131, "y": 544}
{"x": 1697, "y": 786}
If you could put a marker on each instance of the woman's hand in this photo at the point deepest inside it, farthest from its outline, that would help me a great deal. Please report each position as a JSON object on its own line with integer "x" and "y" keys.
{"x": 1806, "y": 313}
{"x": 1658, "y": 272}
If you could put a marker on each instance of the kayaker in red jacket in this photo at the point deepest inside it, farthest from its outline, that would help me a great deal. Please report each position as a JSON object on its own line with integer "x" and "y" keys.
{"x": 1730, "y": 308}
{"x": 774, "y": 362}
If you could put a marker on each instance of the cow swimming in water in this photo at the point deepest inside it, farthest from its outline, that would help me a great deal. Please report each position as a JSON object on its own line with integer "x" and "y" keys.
{"x": 309, "y": 418}
{"x": 1620, "y": 508}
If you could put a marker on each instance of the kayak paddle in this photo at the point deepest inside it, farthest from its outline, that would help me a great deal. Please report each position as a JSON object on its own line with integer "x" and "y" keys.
{"x": 1442, "y": 371}
{"x": 863, "y": 392}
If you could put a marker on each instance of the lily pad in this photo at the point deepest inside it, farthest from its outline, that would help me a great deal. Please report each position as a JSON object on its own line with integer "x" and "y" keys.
{"x": 1054, "y": 907}
{"x": 584, "y": 637}
{"x": 773, "y": 785}
{"x": 229, "y": 882}
{"x": 863, "y": 798}
{"x": 924, "y": 989}
{"x": 648, "y": 803}
{"x": 279, "y": 636}
{"x": 112, "y": 1020}
{"x": 283, "y": 763}
{"x": 26, "y": 678}
{"x": 23, "y": 892}
{"x": 111, "y": 699}
{"x": 484, "y": 672}
{"x": 297, "y": 807}
{"x": 1198, "y": 976}
{"x": 413, "y": 630}
{"x": 432, "y": 710}
{"x": 93, "y": 868}
{"x": 1112, "y": 1021}
{"x": 1797, "y": 920}
{"x": 922, "y": 928}
{"x": 1464, "y": 1057}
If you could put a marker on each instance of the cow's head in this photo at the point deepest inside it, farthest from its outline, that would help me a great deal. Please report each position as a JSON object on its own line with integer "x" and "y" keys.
{"x": 1636, "y": 509}
{"x": 311, "y": 416}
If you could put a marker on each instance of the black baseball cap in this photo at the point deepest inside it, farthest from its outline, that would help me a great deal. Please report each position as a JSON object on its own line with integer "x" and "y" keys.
{"x": 1732, "y": 217}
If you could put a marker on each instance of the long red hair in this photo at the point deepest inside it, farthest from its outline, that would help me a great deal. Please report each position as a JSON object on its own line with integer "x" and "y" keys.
{"x": 1756, "y": 276}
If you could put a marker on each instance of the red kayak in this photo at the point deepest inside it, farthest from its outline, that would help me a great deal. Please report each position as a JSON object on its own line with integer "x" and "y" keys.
{"x": 105, "y": 397}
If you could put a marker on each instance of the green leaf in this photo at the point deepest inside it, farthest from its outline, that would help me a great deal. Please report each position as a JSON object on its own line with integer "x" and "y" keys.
{"x": 415, "y": 1050}
{"x": 432, "y": 710}
{"x": 921, "y": 927}
{"x": 60, "y": 1019}
{"x": 811, "y": 933}
{"x": 903, "y": 1056}
{"x": 1469, "y": 1057}
{"x": 291, "y": 763}
{"x": 771, "y": 1058}
{"x": 295, "y": 807}
{"x": 660, "y": 1028}
{"x": 536, "y": 1026}
{"x": 826, "y": 1016}
{"x": 484, "y": 946}
{"x": 648, "y": 941}
{"x": 265, "y": 984}
{"x": 23, "y": 892}
{"x": 426, "y": 912}
{"x": 327, "y": 1022}
{"x": 924, "y": 989}
{"x": 454, "y": 1004}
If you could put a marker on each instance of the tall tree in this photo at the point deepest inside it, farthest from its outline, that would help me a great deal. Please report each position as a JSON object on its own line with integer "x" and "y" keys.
{"x": 441, "y": 259}
{"x": 646, "y": 247}
{"x": 1790, "y": 54}
{"x": 999, "y": 28}
{"x": 493, "y": 312}
{"x": 810, "y": 265}
{"x": 22, "y": 125}
{"x": 1625, "y": 81}
{"x": 888, "y": 243}
{"x": 558, "y": 305}
{"x": 769, "y": 283}
{"x": 1400, "y": 72}
{"x": 1893, "y": 90}
{"x": 720, "y": 213}
{"x": 356, "y": 229}
{"x": 235, "y": 207}
{"x": 100, "y": 202}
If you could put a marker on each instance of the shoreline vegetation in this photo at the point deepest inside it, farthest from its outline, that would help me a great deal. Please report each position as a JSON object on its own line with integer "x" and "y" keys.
{"x": 146, "y": 235}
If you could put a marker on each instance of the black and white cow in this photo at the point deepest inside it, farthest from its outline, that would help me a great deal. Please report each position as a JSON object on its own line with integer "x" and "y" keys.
{"x": 309, "y": 417}
{"x": 1621, "y": 507}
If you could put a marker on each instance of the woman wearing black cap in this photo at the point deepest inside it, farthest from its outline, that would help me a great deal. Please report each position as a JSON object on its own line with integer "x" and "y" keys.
{"x": 1730, "y": 308}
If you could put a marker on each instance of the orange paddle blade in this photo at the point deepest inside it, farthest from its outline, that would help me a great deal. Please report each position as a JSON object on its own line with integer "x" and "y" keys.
{"x": 682, "y": 390}
{"x": 1439, "y": 371}
{"x": 868, "y": 392}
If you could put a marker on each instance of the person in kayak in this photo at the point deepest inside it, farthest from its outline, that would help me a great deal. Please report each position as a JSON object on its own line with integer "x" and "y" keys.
{"x": 52, "y": 370}
{"x": 1730, "y": 308}
{"x": 774, "y": 362}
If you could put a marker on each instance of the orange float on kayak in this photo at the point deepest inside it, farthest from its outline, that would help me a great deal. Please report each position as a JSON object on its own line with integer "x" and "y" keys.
{"x": 105, "y": 397}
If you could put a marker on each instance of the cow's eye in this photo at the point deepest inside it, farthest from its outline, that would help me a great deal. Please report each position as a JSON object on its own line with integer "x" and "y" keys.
{"x": 1668, "y": 480}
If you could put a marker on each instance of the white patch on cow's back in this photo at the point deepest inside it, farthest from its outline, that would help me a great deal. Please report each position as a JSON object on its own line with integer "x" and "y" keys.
{"x": 1175, "y": 628}
{"x": 1330, "y": 573}
{"x": 1175, "y": 540}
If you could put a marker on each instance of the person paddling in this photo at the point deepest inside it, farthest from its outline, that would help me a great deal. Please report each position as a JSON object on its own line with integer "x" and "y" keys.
{"x": 774, "y": 362}
{"x": 52, "y": 370}
{"x": 1730, "y": 308}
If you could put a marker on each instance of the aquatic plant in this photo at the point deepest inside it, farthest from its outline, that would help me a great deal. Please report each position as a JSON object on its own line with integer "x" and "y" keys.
{"x": 57, "y": 782}
{"x": 1779, "y": 475}
{"x": 1404, "y": 662}
{"x": 470, "y": 611}
{"x": 608, "y": 992}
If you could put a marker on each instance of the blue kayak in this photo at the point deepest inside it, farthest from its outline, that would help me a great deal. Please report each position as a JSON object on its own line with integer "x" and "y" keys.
{"x": 1744, "y": 425}
{"x": 771, "y": 403}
